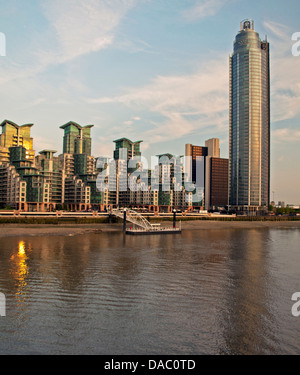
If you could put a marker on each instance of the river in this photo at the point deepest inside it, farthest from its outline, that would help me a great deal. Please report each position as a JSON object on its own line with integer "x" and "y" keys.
{"x": 201, "y": 292}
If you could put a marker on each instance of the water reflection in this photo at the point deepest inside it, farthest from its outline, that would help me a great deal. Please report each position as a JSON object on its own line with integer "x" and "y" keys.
{"x": 22, "y": 248}
{"x": 19, "y": 270}
{"x": 248, "y": 317}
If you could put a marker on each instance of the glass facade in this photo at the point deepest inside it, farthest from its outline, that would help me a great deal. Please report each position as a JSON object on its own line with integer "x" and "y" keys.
{"x": 218, "y": 194}
{"x": 249, "y": 120}
{"x": 77, "y": 139}
{"x": 14, "y": 135}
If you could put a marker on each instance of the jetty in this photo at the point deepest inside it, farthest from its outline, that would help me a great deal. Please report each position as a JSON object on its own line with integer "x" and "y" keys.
{"x": 141, "y": 226}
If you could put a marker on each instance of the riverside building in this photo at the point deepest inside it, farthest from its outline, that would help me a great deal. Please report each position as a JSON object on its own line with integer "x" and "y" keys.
{"x": 209, "y": 173}
{"x": 249, "y": 137}
{"x": 77, "y": 181}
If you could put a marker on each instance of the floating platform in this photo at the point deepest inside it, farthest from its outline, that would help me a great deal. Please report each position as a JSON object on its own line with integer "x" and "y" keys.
{"x": 153, "y": 231}
{"x": 141, "y": 225}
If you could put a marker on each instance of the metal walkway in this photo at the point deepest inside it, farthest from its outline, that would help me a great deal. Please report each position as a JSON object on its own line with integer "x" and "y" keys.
{"x": 133, "y": 217}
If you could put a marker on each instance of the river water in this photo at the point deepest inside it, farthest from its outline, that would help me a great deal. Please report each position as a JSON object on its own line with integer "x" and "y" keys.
{"x": 201, "y": 292}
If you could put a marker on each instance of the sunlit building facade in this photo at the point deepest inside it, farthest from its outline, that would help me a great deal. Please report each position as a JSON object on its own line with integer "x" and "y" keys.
{"x": 249, "y": 146}
{"x": 14, "y": 135}
{"x": 209, "y": 172}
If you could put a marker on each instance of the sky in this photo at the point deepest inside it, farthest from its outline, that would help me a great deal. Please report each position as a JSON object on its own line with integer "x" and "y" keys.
{"x": 151, "y": 70}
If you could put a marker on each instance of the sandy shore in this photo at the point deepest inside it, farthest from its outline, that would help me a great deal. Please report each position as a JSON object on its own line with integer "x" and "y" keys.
{"x": 16, "y": 230}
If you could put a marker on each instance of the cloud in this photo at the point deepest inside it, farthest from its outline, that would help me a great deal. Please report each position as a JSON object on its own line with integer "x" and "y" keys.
{"x": 129, "y": 122}
{"x": 44, "y": 143}
{"x": 74, "y": 29}
{"x": 82, "y": 27}
{"x": 132, "y": 121}
{"x": 286, "y": 135}
{"x": 181, "y": 104}
{"x": 278, "y": 30}
{"x": 285, "y": 73}
{"x": 203, "y": 9}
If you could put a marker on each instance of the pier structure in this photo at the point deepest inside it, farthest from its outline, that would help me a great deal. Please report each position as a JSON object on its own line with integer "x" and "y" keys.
{"x": 140, "y": 224}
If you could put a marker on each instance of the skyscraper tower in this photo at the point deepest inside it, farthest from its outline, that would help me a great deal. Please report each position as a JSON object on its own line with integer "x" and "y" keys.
{"x": 249, "y": 143}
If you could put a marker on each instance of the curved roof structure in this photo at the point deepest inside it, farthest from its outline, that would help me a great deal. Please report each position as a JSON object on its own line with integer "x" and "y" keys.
{"x": 75, "y": 124}
{"x": 128, "y": 140}
{"x": 15, "y": 125}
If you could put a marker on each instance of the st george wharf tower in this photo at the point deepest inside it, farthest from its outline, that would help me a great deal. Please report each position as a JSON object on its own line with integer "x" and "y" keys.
{"x": 249, "y": 127}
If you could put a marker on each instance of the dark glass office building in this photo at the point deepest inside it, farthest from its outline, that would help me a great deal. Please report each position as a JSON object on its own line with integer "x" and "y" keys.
{"x": 217, "y": 194}
{"x": 249, "y": 145}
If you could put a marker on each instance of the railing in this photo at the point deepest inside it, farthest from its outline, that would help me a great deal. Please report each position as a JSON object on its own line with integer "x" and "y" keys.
{"x": 134, "y": 217}
{"x": 106, "y": 214}
{"x": 141, "y": 224}
{"x": 164, "y": 230}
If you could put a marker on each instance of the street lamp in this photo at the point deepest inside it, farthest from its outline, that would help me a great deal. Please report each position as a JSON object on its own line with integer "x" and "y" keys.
{"x": 174, "y": 218}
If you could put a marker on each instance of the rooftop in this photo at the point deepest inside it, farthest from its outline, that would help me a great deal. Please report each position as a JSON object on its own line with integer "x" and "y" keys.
{"x": 15, "y": 125}
{"x": 75, "y": 124}
{"x": 47, "y": 151}
{"x": 127, "y": 140}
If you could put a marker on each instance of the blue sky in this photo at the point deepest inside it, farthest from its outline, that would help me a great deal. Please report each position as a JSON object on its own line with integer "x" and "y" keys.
{"x": 155, "y": 70}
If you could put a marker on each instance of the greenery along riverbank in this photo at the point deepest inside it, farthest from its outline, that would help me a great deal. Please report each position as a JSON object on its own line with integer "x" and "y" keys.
{"x": 101, "y": 220}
